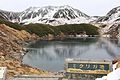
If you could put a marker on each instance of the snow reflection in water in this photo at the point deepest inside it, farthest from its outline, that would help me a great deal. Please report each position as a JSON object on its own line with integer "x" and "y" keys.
{"x": 50, "y": 55}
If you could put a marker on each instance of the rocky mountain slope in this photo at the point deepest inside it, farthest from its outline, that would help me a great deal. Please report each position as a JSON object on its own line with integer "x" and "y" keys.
{"x": 11, "y": 49}
{"x": 112, "y": 16}
{"x": 110, "y": 22}
{"x": 6, "y": 15}
{"x": 54, "y": 15}
{"x": 60, "y": 15}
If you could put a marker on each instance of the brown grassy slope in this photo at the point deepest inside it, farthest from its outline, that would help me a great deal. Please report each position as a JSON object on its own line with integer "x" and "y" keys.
{"x": 10, "y": 43}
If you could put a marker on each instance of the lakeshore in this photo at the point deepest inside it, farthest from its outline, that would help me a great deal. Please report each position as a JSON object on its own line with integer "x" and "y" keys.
{"x": 12, "y": 43}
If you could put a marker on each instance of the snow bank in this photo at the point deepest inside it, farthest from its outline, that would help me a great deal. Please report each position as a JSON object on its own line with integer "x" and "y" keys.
{"x": 115, "y": 75}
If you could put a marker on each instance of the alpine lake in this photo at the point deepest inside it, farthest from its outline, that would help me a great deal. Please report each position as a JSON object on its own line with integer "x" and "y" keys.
{"x": 51, "y": 55}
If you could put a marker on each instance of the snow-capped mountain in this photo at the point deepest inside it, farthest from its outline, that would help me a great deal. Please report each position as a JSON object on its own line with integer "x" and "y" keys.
{"x": 112, "y": 22}
{"x": 54, "y": 15}
{"x": 112, "y": 16}
{"x": 7, "y": 15}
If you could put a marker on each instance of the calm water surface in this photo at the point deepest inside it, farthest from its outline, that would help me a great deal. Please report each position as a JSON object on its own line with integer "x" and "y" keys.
{"x": 50, "y": 55}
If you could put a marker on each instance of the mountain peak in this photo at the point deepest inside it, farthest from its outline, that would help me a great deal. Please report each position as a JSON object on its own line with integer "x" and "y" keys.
{"x": 49, "y": 15}
{"x": 113, "y": 11}
{"x": 112, "y": 16}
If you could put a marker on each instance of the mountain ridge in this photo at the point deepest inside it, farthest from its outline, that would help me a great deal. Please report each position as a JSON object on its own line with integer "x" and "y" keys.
{"x": 60, "y": 15}
{"x": 53, "y": 15}
{"x": 112, "y": 16}
{"x": 112, "y": 22}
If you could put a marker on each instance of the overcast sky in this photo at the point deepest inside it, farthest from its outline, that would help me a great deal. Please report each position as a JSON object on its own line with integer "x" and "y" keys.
{"x": 90, "y": 7}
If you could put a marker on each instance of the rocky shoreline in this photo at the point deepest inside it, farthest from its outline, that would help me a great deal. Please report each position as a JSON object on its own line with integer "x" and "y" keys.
{"x": 12, "y": 42}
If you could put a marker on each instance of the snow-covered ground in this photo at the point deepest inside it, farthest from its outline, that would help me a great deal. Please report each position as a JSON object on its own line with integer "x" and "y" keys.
{"x": 114, "y": 75}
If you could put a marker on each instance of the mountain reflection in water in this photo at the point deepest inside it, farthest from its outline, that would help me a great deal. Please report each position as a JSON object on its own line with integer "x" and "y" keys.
{"x": 50, "y": 55}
